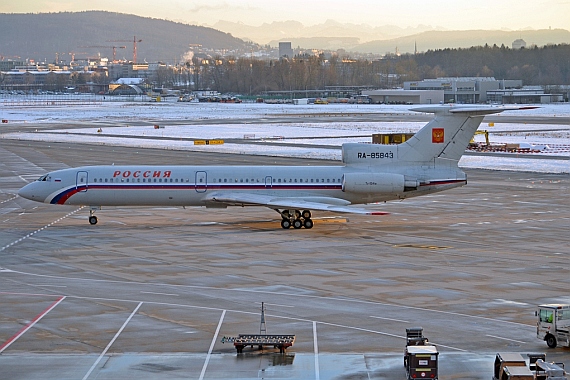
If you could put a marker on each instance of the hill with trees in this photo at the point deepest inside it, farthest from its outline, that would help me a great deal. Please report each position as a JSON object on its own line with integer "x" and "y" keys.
{"x": 41, "y": 36}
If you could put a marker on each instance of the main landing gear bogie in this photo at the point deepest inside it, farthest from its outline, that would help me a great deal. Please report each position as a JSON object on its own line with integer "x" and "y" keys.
{"x": 296, "y": 218}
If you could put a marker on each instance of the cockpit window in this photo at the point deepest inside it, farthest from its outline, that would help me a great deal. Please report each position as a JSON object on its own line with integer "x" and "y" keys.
{"x": 43, "y": 178}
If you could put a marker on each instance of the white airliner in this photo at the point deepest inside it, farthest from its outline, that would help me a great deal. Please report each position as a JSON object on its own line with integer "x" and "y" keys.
{"x": 371, "y": 173}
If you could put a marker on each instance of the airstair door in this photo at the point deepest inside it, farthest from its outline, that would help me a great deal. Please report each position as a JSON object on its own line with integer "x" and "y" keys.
{"x": 81, "y": 181}
{"x": 268, "y": 182}
{"x": 200, "y": 183}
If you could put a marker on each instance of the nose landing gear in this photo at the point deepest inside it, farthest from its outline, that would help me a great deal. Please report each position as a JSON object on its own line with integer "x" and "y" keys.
{"x": 92, "y": 217}
{"x": 296, "y": 219}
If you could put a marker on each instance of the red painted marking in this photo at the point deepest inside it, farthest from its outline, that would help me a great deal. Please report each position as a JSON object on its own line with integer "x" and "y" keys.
{"x": 379, "y": 213}
{"x": 29, "y": 325}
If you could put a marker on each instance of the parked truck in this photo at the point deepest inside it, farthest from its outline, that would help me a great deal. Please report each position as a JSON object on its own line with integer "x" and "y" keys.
{"x": 553, "y": 324}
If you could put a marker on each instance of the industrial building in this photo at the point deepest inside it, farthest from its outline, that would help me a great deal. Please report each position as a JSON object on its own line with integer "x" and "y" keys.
{"x": 405, "y": 96}
{"x": 466, "y": 90}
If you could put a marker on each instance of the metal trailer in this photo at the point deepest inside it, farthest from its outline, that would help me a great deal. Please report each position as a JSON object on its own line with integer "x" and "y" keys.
{"x": 549, "y": 371}
{"x": 553, "y": 324}
{"x": 516, "y": 373}
{"x": 506, "y": 359}
{"x": 282, "y": 342}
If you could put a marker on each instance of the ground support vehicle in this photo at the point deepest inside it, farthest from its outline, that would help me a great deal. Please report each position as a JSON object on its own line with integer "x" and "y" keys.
{"x": 553, "y": 324}
{"x": 420, "y": 357}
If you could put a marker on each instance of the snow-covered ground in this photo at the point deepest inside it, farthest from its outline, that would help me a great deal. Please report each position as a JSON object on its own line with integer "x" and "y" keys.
{"x": 127, "y": 124}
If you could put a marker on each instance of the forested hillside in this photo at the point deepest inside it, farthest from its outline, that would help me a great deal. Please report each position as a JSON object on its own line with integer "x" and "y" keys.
{"x": 41, "y": 36}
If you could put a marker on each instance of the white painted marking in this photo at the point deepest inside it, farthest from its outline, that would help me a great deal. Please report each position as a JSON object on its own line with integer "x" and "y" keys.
{"x": 112, "y": 341}
{"x": 161, "y": 294}
{"x": 390, "y": 319}
{"x": 212, "y": 346}
{"x": 275, "y": 304}
{"x": 46, "y": 285}
{"x": 510, "y": 340}
{"x": 23, "y": 331}
{"x": 38, "y": 230}
{"x": 316, "y": 348}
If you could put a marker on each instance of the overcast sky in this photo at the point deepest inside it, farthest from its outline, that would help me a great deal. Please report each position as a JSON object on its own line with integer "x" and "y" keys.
{"x": 460, "y": 15}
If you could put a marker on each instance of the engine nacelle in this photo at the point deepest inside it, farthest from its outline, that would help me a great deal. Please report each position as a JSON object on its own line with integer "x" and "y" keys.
{"x": 373, "y": 183}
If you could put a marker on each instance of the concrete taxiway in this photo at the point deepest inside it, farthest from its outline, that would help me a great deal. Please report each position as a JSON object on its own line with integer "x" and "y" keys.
{"x": 148, "y": 293}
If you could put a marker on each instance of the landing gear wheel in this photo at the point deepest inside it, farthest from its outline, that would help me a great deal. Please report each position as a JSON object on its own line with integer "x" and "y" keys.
{"x": 308, "y": 223}
{"x": 93, "y": 220}
{"x": 297, "y": 223}
{"x": 551, "y": 341}
{"x": 285, "y": 223}
{"x": 306, "y": 214}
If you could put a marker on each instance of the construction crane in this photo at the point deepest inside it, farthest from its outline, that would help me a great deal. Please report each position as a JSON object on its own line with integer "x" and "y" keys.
{"x": 107, "y": 47}
{"x": 134, "y": 41}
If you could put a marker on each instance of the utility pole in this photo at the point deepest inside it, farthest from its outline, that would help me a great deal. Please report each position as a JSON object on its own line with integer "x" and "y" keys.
{"x": 262, "y": 326}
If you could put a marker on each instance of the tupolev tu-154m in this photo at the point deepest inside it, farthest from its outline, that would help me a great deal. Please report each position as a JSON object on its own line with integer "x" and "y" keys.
{"x": 424, "y": 164}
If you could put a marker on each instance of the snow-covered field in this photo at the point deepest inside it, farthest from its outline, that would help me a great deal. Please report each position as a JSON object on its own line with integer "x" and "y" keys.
{"x": 131, "y": 124}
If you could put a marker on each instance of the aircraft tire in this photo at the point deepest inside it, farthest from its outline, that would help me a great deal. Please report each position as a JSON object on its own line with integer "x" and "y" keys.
{"x": 92, "y": 220}
{"x": 306, "y": 214}
{"x": 308, "y": 223}
{"x": 297, "y": 223}
{"x": 285, "y": 223}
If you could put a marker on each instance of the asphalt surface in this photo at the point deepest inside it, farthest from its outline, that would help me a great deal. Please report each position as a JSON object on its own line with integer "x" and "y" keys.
{"x": 148, "y": 293}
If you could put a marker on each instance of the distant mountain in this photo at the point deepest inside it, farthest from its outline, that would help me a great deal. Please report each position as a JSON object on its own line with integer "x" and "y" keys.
{"x": 433, "y": 40}
{"x": 40, "y": 36}
{"x": 269, "y": 33}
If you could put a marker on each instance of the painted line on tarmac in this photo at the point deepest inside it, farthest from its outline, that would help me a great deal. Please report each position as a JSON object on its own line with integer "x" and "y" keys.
{"x": 214, "y": 339}
{"x": 161, "y": 294}
{"x": 112, "y": 341}
{"x": 30, "y": 325}
{"x": 38, "y": 230}
{"x": 390, "y": 319}
{"x": 501, "y": 338}
{"x": 255, "y": 291}
{"x": 9, "y": 199}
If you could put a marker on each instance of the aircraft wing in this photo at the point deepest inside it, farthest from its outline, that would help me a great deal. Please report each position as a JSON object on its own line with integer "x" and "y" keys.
{"x": 294, "y": 203}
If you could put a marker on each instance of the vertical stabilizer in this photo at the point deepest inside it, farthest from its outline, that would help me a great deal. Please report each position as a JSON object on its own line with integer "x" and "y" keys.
{"x": 448, "y": 134}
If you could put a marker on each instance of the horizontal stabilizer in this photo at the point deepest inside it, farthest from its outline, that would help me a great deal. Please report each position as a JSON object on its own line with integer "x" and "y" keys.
{"x": 469, "y": 109}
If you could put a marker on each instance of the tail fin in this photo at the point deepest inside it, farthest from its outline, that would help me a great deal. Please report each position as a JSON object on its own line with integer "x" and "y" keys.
{"x": 448, "y": 134}
{"x": 444, "y": 139}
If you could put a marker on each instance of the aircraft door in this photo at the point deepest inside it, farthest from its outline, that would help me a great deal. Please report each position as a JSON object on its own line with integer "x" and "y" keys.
{"x": 268, "y": 182}
{"x": 201, "y": 184}
{"x": 81, "y": 180}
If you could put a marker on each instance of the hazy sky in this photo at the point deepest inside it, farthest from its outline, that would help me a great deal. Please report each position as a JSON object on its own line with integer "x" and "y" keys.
{"x": 478, "y": 14}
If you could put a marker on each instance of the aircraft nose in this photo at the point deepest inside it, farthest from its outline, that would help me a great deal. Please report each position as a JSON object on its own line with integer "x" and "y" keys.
{"x": 28, "y": 192}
